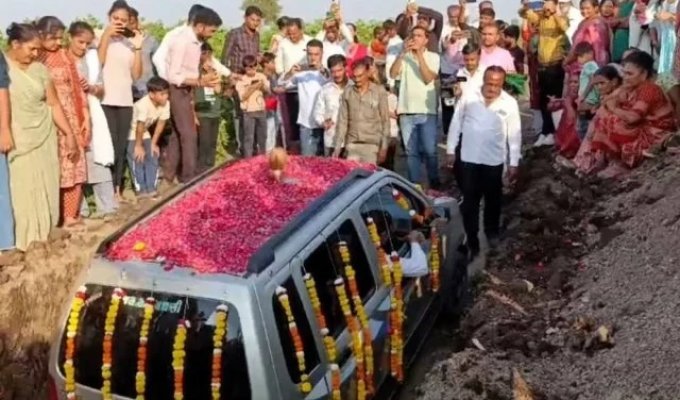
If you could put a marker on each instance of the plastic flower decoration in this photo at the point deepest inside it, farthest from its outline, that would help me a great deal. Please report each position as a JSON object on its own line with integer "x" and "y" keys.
{"x": 220, "y": 334}
{"x": 71, "y": 332}
{"x": 140, "y": 377}
{"x": 109, "y": 330}
{"x": 305, "y": 384}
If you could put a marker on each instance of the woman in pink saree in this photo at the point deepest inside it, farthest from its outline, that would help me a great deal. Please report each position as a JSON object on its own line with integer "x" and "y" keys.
{"x": 594, "y": 30}
{"x": 630, "y": 121}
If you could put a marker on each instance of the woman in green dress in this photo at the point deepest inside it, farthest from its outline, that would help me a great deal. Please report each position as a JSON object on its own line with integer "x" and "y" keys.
{"x": 621, "y": 33}
{"x": 34, "y": 161}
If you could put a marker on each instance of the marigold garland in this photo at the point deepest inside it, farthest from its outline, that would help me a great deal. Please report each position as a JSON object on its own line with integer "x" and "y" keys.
{"x": 336, "y": 382}
{"x": 328, "y": 341}
{"x": 221, "y": 331}
{"x": 305, "y": 385}
{"x": 350, "y": 274}
{"x": 397, "y": 320}
{"x": 401, "y": 200}
{"x": 109, "y": 329}
{"x": 434, "y": 260}
{"x": 382, "y": 257}
{"x": 71, "y": 332}
{"x": 355, "y": 337}
{"x": 140, "y": 376}
{"x": 178, "y": 355}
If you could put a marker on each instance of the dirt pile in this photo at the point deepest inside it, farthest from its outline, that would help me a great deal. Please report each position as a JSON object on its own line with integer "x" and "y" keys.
{"x": 581, "y": 298}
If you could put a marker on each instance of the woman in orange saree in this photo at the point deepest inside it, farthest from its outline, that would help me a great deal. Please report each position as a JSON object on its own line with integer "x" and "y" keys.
{"x": 632, "y": 120}
{"x": 69, "y": 86}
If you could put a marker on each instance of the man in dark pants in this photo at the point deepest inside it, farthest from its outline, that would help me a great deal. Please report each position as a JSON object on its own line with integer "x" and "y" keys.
{"x": 492, "y": 136}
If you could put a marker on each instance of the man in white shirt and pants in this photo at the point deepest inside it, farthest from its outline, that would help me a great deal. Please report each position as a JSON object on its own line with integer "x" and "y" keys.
{"x": 492, "y": 136}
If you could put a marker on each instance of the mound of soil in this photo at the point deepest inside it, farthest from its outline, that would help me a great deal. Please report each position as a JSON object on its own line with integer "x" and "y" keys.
{"x": 581, "y": 298}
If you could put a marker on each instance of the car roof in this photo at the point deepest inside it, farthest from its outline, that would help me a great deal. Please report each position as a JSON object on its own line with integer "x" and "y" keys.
{"x": 231, "y": 220}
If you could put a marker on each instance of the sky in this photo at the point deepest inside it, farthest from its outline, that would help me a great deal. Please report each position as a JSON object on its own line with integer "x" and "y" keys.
{"x": 171, "y": 11}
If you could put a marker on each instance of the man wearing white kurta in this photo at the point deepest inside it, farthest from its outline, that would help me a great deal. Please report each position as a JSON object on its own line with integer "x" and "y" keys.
{"x": 492, "y": 136}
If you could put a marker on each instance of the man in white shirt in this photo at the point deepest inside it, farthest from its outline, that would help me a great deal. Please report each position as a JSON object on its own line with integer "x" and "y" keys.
{"x": 333, "y": 36}
{"x": 161, "y": 53}
{"x": 395, "y": 45}
{"x": 308, "y": 78}
{"x": 492, "y": 135}
{"x": 417, "y": 69}
{"x": 328, "y": 104}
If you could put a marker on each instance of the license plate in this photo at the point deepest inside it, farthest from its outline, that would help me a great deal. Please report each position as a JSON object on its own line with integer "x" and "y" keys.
{"x": 450, "y": 102}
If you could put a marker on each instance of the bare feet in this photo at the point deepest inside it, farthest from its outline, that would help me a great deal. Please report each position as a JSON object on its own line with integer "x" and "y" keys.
{"x": 614, "y": 170}
{"x": 74, "y": 225}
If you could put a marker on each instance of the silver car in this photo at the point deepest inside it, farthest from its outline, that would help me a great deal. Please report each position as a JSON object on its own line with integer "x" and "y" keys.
{"x": 258, "y": 360}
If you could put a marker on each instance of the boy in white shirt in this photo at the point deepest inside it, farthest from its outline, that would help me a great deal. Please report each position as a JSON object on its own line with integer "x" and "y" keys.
{"x": 143, "y": 152}
{"x": 328, "y": 104}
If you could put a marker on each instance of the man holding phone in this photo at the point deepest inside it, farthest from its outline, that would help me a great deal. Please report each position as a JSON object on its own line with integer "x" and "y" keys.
{"x": 430, "y": 20}
{"x": 417, "y": 69}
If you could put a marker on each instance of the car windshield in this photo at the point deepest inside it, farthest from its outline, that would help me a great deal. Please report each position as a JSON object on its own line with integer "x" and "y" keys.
{"x": 169, "y": 310}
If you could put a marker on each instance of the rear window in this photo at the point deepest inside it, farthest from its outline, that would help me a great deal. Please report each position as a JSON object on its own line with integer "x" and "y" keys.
{"x": 159, "y": 372}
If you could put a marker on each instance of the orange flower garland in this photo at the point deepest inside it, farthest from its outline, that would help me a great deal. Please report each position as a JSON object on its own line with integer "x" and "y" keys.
{"x": 401, "y": 200}
{"x": 178, "y": 355}
{"x": 382, "y": 257}
{"x": 336, "y": 382}
{"x": 305, "y": 385}
{"x": 328, "y": 341}
{"x": 350, "y": 274}
{"x": 221, "y": 330}
{"x": 71, "y": 333}
{"x": 397, "y": 320}
{"x": 109, "y": 329}
{"x": 355, "y": 337}
{"x": 434, "y": 261}
{"x": 140, "y": 377}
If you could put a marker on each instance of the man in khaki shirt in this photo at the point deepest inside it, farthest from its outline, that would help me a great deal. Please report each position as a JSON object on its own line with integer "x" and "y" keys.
{"x": 364, "y": 119}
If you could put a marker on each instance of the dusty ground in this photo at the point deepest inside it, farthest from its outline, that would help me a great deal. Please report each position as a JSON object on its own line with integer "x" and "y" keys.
{"x": 581, "y": 299}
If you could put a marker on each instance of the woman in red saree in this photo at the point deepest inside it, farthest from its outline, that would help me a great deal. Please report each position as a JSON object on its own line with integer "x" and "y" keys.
{"x": 70, "y": 91}
{"x": 631, "y": 120}
{"x": 594, "y": 30}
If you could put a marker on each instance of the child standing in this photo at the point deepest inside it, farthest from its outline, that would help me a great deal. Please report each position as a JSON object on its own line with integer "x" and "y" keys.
{"x": 208, "y": 108}
{"x": 271, "y": 102}
{"x": 152, "y": 110}
{"x": 588, "y": 98}
{"x": 392, "y": 103}
{"x": 251, "y": 89}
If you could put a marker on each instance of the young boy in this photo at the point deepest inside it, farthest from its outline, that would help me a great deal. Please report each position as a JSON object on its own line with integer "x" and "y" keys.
{"x": 510, "y": 37}
{"x": 151, "y": 110}
{"x": 251, "y": 88}
{"x": 271, "y": 101}
{"x": 588, "y": 97}
{"x": 208, "y": 109}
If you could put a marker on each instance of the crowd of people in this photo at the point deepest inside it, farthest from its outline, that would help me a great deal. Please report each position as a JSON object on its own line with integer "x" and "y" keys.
{"x": 75, "y": 114}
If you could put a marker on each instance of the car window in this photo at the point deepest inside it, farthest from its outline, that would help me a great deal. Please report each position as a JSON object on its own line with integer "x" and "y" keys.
{"x": 169, "y": 310}
{"x": 304, "y": 330}
{"x": 325, "y": 266}
{"x": 391, "y": 215}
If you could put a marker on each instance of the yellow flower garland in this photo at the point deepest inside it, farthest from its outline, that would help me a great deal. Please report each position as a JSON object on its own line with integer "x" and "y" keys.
{"x": 71, "y": 332}
{"x": 397, "y": 320}
{"x": 434, "y": 261}
{"x": 140, "y": 377}
{"x": 401, "y": 200}
{"x": 336, "y": 382}
{"x": 305, "y": 385}
{"x": 221, "y": 331}
{"x": 361, "y": 315}
{"x": 355, "y": 337}
{"x": 178, "y": 355}
{"x": 107, "y": 353}
{"x": 382, "y": 257}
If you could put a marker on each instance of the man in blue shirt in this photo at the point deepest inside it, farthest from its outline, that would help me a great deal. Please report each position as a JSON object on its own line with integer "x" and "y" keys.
{"x": 6, "y": 144}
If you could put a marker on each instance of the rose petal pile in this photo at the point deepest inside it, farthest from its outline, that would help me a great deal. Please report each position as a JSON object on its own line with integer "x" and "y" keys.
{"x": 219, "y": 224}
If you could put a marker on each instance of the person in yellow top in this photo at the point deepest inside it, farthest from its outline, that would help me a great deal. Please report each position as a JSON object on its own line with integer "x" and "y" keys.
{"x": 552, "y": 43}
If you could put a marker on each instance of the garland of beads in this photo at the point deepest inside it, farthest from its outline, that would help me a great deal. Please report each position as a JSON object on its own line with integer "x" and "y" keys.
{"x": 305, "y": 385}
{"x": 178, "y": 355}
{"x": 397, "y": 320}
{"x": 328, "y": 341}
{"x": 401, "y": 200}
{"x": 109, "y": 328}
{"x": 434, "y": 261}
{"x": 221, "y": 330}
{"x": 350, "y": 274}
{"x": 140, "y": 377}
{"x": 382, "y": 257}
{"x": 71, "y": 333}
{"x": 355, "y": 337}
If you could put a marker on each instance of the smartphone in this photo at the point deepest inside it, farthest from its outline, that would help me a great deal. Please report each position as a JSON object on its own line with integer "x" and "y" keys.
{"x": 128, "y": 33}
{"x": 460, "y": 79}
